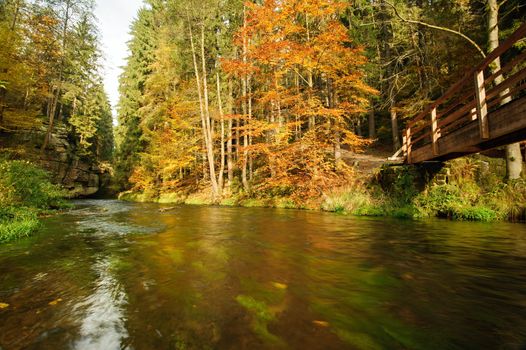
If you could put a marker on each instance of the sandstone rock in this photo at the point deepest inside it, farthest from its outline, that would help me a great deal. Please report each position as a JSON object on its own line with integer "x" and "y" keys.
{"x": 79, "y": 176}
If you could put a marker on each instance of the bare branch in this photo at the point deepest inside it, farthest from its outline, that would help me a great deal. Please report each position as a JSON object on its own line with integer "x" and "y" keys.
{"x": 438, "y": 28}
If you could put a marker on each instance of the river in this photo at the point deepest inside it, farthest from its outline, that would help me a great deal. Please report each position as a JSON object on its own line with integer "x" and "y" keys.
{"x": 115, "y": 275}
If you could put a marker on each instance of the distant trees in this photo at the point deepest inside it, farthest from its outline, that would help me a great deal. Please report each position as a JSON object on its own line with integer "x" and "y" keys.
{"x": 261, "y": 97}
{"x": 50, "y": 72}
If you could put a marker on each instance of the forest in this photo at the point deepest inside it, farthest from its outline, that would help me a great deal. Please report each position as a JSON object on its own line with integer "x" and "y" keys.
{"x": 266, "y": 103}
{"x": 55, "y": 117}
{"x": 262, "y": 174}
{"x": 264, "y": 99}
{"x": 51, "y": 75}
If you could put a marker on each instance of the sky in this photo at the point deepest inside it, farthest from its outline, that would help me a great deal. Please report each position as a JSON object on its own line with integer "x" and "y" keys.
{"x": 114, "y": 20}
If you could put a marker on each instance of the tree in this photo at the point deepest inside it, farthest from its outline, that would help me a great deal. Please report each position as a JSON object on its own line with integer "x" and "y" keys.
{"x": 129, "y": 141}
{"x": 513, "y": 151}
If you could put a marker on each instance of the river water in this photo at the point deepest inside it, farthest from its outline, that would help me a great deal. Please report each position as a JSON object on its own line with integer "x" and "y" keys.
{"x": 114, "y": 275}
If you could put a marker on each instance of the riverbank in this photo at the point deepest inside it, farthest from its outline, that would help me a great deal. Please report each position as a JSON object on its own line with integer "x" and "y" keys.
{"x": 26, "y": 193}
{"x": 469, "y": 188}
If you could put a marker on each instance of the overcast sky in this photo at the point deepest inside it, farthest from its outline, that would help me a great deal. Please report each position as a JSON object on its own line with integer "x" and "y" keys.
{"x": 115, "y": 17}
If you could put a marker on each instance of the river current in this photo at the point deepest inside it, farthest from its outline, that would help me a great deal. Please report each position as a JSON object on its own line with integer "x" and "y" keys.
{"x": 116, "y": 275}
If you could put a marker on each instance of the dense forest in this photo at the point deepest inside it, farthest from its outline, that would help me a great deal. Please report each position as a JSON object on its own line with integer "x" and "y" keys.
{"x": 263, "y": 98}
{"x": 56, "y": 128}
{"x": 256, "y": 103}
{"x": 50, "y": 74}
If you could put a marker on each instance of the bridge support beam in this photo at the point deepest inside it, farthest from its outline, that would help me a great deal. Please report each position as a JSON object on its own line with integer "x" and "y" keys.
{"x": 434, "y": 131}
{"x": 482, "y": 106}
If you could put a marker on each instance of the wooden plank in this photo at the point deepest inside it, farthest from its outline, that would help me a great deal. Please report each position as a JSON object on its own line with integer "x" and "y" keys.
{"x": 509, "y": 66}
{"x": 443, "y": 124}
{"x": 434, "y": 131}
{"x": 409, "y": 145}
{"x": 482, "y": 106}
{"x": 461, "y": 139}
{"x": 506, "y": 84}
{"x": 510, "y": 93}
{"x": 422, "y": 154}
{"x": 508, "y": 118}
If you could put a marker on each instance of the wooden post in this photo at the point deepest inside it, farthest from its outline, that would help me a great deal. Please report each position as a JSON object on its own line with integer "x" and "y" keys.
{"x": 434, "y": 131}
{"x": 482, "y": 106}
{"x": 408, "y": 143}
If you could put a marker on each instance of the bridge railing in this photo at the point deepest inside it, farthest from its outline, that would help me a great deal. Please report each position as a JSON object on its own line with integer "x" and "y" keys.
{"x": 479, "y": 92}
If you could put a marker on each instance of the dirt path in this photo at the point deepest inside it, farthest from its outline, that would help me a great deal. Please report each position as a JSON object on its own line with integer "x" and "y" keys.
{"x": 367, "y": 162}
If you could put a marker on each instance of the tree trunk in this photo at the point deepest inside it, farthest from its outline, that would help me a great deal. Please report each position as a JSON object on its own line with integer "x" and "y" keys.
{"x": 58, "y": 90}
{"x": 394, "y": 127}
{"x": 310, "y": 79}
{"x": 204, "y": 124}
{"x": 229, "y": 161}
{"x": 250, "y": 159}
{"x": 222, "y": 120}
{"x": 372, "y": 124}
{"x": 208, "y": 128}
{"x": 245, "y": 109}
{"x": 513, "y": 151}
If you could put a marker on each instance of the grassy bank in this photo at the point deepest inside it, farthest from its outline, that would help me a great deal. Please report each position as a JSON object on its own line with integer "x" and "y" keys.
{"x": 25, "y": 193}
{"x": 470, "y": 188}
{"x": 204, "y": 197}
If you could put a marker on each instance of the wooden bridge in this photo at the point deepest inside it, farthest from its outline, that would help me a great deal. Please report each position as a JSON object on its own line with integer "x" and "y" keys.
{"x": 482, "y": 111}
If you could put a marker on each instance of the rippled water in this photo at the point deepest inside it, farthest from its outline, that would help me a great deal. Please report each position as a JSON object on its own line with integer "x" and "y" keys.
{"x": 114, "y": 275}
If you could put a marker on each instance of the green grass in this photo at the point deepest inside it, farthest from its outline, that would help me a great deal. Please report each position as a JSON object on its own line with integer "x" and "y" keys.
{"x": 476, "y": 191}
{"x": 25, "y": 192}
{"x": 170, "y": 198}
{"x": 16, "y": 223}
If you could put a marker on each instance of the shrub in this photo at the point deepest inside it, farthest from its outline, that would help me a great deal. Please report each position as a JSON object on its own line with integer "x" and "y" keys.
{"x": 25, "y": 191}
{"x": 24, "y": 184}
{"x": 477, "y": 213}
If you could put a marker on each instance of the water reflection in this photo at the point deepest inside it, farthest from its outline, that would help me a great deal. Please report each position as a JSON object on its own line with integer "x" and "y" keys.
{"x": 131, "y": 276}
{"x": 103, "y": 319}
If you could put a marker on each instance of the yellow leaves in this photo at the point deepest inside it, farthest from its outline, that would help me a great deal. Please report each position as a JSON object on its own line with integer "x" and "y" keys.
{"x": 55, "y": 302}
{"x": 3, "y": 306}
{"x": 324, "y": 324}
{"x": 279, "y": 285}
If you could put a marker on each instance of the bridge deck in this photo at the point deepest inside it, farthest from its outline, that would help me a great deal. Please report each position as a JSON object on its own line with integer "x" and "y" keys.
{"x": 484, "y": 110}
{"x": 506, "y": 125}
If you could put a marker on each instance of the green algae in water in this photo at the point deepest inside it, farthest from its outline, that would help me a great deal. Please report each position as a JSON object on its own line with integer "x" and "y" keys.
{"x": 261, "y": 316}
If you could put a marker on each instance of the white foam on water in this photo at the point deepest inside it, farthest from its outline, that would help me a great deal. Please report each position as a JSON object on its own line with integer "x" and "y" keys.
{"x": 103, "y": 323}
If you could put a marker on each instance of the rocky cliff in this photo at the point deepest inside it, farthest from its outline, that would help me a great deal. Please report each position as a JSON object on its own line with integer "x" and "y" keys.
{"x": 80, "y": 176}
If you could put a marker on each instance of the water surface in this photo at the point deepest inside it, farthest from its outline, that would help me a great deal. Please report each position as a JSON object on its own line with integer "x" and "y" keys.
{"x": 114, "y": 275}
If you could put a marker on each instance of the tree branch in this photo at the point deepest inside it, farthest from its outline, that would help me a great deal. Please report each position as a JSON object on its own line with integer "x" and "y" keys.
{"x": 438, "y": 28}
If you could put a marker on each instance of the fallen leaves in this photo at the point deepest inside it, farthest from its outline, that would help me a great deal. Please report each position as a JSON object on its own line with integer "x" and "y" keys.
{"x": 4, "y": 305}
{"x": 55, "y": 302}
{"x": 321, "y": 323}
{"x": 279, "y": 285}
